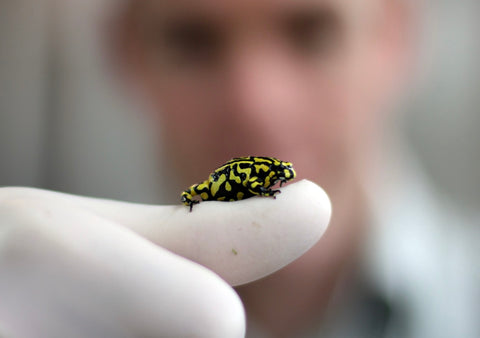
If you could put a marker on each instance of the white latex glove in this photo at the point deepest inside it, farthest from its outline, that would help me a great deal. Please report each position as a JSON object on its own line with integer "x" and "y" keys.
{"x": 73, "y": 266}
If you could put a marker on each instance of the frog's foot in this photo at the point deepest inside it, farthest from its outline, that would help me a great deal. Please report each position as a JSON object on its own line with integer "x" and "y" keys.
{"x": 191, "y": 203}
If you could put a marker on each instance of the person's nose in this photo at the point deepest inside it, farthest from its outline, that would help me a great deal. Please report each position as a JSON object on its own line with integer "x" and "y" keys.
{"x": 260, "y": 84}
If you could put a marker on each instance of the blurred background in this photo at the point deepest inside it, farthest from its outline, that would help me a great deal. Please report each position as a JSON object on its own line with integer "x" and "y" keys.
{"x": 66, "y": 125}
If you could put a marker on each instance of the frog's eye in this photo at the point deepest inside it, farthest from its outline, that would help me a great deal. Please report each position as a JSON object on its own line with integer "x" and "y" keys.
{"x": 289, "y": 173}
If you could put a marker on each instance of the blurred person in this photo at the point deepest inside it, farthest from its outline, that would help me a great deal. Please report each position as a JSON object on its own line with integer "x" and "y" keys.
{"x": 310, "y": 82}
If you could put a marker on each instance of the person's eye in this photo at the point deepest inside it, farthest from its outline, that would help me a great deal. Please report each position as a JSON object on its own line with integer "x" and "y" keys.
{"x": 312, "y": 32}
{"x": 191, "y": 41}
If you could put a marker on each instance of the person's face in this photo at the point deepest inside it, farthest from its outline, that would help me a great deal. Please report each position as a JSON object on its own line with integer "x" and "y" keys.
{"x": 300, "y": 80}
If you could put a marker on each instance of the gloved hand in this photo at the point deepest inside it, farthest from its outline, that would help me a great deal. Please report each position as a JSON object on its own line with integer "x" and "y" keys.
{"x": 73, "y": 266}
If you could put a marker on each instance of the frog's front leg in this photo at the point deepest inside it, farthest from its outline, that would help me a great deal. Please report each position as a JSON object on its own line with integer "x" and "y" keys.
{"x": 256, "y": 187}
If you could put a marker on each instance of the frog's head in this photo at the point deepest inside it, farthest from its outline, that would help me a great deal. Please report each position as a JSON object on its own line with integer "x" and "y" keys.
{"x": 285, "y": 172}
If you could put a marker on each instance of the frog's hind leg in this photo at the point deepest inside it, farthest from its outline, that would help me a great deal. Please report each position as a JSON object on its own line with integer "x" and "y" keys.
{"x": 187, "y": 196}
{"x": 202, "y": 190}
